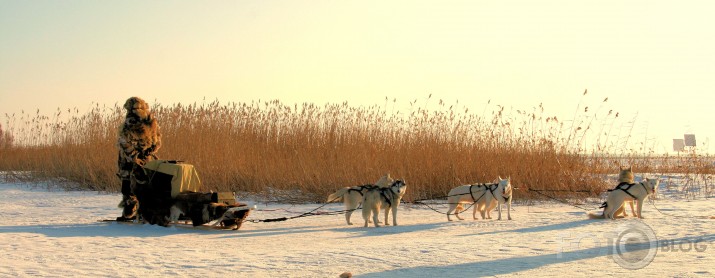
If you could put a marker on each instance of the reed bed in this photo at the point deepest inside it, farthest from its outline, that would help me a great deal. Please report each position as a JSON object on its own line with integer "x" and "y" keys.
{"x": 268, "y": 146}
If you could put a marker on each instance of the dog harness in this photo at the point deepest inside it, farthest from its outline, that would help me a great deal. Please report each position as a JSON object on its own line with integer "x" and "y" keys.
{"x": 620, "y": 186}
{"x": 493, "y": 187}
{"x": 382, "y": 193}
{"x": 486, "y": 186}
{"x": 362, "y": 187}
{"x": 629, "y": 185}
{"x": 505, "y": 197}
{"x": 387, "y": 189}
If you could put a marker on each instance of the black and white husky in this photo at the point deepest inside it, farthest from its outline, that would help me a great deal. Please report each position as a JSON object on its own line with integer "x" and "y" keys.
{"x": 353, "y": 196}
{"x": 377, "y": 199}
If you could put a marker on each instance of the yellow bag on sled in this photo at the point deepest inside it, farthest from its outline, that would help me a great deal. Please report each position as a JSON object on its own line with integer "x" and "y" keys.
{"x": 182, "y": 177}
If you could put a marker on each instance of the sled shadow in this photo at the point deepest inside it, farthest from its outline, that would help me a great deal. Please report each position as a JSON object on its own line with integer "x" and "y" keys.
{"x": 101, "y": 229}
{"x": 517, "y": 264}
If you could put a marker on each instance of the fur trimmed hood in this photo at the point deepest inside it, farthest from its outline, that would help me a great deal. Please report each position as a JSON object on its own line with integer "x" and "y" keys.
{"x": 137, "y": 108}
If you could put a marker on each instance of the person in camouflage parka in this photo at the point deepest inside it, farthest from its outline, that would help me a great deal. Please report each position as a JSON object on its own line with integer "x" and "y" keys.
{"x": 138, "y": 142}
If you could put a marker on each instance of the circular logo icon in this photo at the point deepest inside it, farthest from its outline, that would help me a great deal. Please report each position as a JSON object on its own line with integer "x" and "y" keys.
{"x": 635, "y": 245}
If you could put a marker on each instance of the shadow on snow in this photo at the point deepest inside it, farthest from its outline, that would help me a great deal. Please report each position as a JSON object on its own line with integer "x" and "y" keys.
{"x": 517, "y": 264}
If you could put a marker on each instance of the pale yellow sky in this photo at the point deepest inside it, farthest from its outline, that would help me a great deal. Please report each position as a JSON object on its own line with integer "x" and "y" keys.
{"x": 653, "y": 59}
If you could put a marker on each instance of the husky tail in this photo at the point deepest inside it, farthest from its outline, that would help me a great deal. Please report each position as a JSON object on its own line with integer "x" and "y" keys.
{"x": 337, "y": 195}
{"x": 599, "y": 216}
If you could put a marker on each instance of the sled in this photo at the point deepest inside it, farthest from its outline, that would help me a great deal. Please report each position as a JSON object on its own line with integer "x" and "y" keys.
{"x": 169, "y": 193}
{"x": 231, "y": 220}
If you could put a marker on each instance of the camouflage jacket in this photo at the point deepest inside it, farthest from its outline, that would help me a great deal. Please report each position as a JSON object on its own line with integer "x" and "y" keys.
{"x": 138, "y": 142}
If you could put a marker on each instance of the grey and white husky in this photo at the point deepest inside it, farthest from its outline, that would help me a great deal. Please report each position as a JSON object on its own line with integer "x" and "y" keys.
{"x": 353, "y": 196}
{"x": 382, "y": 198}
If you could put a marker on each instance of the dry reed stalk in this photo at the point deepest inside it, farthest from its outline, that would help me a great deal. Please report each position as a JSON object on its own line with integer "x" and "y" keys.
{"x": 269, "y": 146}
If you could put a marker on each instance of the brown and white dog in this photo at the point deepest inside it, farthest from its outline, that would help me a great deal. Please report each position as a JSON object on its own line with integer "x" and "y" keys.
{"x": 626, "y": 177}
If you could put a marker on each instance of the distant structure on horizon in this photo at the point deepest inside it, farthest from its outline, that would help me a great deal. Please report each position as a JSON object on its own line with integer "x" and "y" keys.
{"x": 687, "y": 141}
{"x": 678, "y": 145}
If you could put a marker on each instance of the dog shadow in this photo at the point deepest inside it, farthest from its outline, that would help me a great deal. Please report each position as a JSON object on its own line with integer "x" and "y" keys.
{"x": 543, "y": 228}
{"x": 355, "y": 230}
{"x": 390, "y": 230}
{"x": 261, "y": 232}
{"x": 101, "y": 229}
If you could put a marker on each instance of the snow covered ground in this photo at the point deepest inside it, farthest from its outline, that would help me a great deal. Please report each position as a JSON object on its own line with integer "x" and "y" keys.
{"x": 55, "y": 233}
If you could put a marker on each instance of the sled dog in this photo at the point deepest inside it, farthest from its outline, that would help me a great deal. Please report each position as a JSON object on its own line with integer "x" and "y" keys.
{"x": 387, "y": 198}
{"x": 468, "y": 194}
{"x": 484, "y": 197}
{"x": 615, "y": 202}
{"x": 502, "y": 195}
{"x": 202, "y": 213}
{"x": 230, "y": 215}
{"x": 626, "y": 177}
{"x": 194, "y": 205}
{"x": 352, "y": 196}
